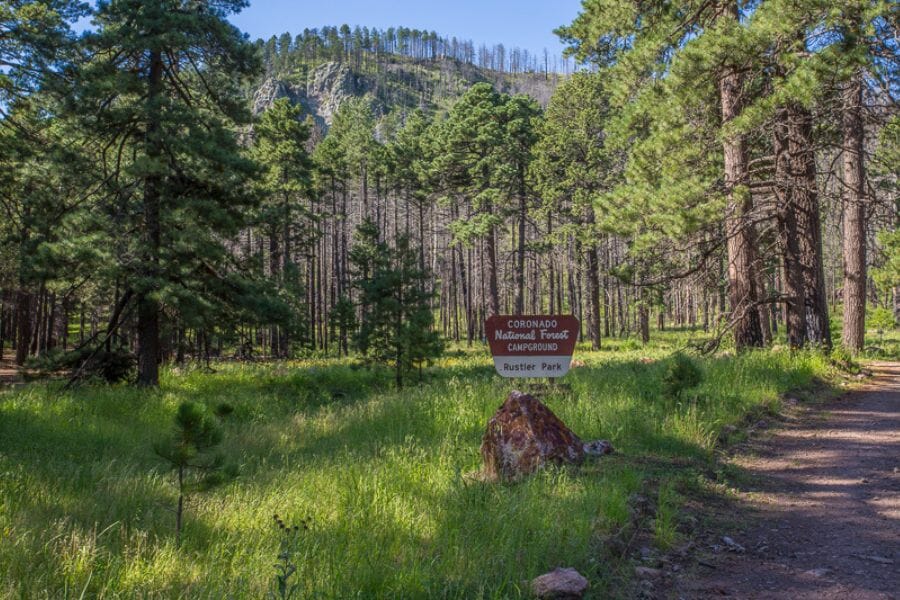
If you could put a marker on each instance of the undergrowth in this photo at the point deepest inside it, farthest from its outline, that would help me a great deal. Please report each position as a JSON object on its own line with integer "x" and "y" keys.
{"x": 85, "y": 504}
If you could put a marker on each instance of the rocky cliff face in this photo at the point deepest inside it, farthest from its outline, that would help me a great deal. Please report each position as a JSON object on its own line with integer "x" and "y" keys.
{"x": 270, "y": 91}
{"x": 326, "y": 88}
{"x": 408, "y": 84}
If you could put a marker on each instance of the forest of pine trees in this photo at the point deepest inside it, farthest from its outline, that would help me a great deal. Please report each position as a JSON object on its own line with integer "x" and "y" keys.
{"x": 721, "y": 166}
{"x": 368, "y": 50}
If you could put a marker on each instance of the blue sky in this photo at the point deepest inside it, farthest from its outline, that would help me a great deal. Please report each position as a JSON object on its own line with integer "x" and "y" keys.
{"x": 528, "y": 24}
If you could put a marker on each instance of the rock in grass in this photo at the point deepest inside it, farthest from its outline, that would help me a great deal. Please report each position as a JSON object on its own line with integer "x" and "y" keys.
{"x": 647, "y": 572}
{"x": 560, "y": 584}
{"x": 598, "y": 448}
{"x": 732, "y": 545}
{"x": 522, "y": 436}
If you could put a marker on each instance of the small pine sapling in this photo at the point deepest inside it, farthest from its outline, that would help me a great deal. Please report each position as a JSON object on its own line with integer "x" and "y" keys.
{"x": 286, "y": 568}
{"x": 397, "y": 326}
{"x": 681, "y": 375}
{"x": 189, "y": 452}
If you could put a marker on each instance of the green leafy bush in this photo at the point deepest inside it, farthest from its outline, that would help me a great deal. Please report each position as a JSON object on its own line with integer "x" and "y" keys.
{"x": 881, "y": 320}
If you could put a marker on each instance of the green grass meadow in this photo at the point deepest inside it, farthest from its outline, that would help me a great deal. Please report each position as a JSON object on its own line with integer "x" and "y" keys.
{"x": 86, "y": 507}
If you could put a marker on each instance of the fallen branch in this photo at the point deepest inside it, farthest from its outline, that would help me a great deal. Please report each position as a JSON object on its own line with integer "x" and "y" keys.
{"x": 115, "y": 321}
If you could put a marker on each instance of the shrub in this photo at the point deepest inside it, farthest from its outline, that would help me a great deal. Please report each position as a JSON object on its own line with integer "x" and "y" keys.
{"x": 224, "y": 409}
{"x": 881, "y": 319}
{"x": 681, "y": 374}
{"x": 842, "y": 358}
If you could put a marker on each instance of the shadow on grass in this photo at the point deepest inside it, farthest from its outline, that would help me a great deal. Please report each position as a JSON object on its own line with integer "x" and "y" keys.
{"x": 815, "y": 500}
{"x": 91, "y": 455}
{"x": 73, "y": 494}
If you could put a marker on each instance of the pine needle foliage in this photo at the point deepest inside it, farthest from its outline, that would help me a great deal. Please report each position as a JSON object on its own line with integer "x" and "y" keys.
{"x": 189, "y": 451}
{"x": 395, "y": 300}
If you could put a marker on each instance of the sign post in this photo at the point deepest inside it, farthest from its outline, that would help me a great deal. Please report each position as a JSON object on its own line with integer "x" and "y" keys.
{"x": 532, "y": 345}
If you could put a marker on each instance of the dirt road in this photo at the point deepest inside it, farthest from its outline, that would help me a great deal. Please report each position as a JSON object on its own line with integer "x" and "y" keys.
{"x": 9, "y": 373}
{"x": 822, "y": 506}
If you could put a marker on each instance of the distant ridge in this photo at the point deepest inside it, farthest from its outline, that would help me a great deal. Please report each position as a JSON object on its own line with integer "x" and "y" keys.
{"x": 400, "y": 84}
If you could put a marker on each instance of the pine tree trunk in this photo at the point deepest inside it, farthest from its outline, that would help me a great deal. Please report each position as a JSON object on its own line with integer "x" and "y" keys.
{"x": 763, "y": 309}
{"x": 608, "y": 327}
{"x": 51, "y": 322}
{"x": 644, "y": 316}
{"x": 64, "y": 325}
{"x": 706, "y": 301}
{"x": 593, "y": 282}
{"x": 551, "y": 269}
{"x": 283, "y": 340}
{"x": 454, "y": 293}
{"x": 490, "y": 265}
{"x": 789, "y": 244}
{"x": 520, "y": 259}
{"x": 854, "y": 212}
{"x": 313, "y": 307}
{"x": 896, "y": 297}
{"x": 81, "y": 323}
{"x": 3, "y": 322}
{"x": 38, "y": 323}
{"x": 23, "y": 325}
{"x": 148, "y": 307}
{"x": 421, "y": 234}
{"x": 336, "y": 284}
{"x": 803, "y": 202}
{"x": 364, "y": 183}
{"x": 620, "y": 305}
{"x": 464, "y": 281}
{"x": 593, "y": 276}
{"x": 468, "y": 285}
{"x": 274, "y": 272}
{"x": 344, "y": 247}
{"x": 741, "y": 238}
{"x": 180, "y": 336}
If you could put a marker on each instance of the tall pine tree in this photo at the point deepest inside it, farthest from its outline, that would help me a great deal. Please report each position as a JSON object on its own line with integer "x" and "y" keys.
{"x": 161, "y": 95}
{"x": 395, "y": 297}
{"x": 287, "y": 212}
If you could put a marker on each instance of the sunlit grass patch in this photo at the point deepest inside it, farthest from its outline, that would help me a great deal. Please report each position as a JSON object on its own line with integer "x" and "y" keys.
{"x": 665, "y": 524}
{"x": 86, "y": 506}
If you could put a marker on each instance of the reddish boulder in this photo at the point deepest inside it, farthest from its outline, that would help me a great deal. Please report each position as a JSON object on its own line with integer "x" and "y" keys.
{"x": 559, "y": 584}
{"x": 522, "y": 436}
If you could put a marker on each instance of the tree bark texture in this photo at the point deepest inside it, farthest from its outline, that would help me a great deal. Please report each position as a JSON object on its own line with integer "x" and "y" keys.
{"x": 741, "y": 245}
{"x": 148, "y": 306}
{"x": 854, "y": 212}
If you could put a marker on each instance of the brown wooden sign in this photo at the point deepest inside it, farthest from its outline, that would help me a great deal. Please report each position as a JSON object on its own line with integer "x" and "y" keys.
{"x": 532, "y": 345}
